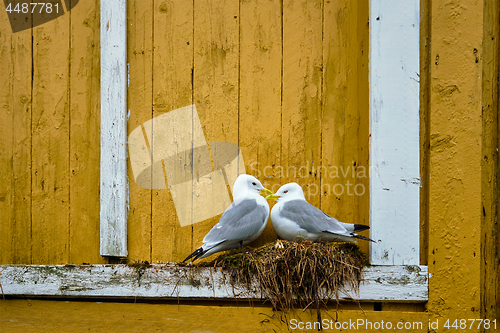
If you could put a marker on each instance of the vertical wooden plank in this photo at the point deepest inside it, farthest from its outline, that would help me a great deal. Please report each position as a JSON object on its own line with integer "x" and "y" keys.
{"x": 216, "y": 60}
{"x": 84, "y": 133}
{"x": 15, "y": 145}
{"x": 362, "y": 171}
{"x": 6, "y": 142}
{"x": 425, "y": 62}
{"x": 455, "y": 203}
{"x": 344, "y": 169}
{"x": 490, "y": 233}
{"x": 50, "y": 142}
{"x": 215, "y": 87}
{"x": 140, "y": 104}
{"x": 340, "y": 114}
{"x": 394, "y": 130}
{"x": 114, "y": 182}
{"x": 302, "y": 91}
{"x": 172, "y": 89}
{"x": 260, "y": 94}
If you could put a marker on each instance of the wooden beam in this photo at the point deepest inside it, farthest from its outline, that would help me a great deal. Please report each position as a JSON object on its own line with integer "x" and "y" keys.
{"x": 114, "y": 182}
{"x": 458, "y": 197}
{"x": 394, "y": 132}
{"x": 27, "y": 315}
{"x": 381, "y": 283}
{"x": 490, "y": 142}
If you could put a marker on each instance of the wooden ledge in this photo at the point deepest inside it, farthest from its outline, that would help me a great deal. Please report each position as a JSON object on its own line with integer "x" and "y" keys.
{"x": 381, "y": 283}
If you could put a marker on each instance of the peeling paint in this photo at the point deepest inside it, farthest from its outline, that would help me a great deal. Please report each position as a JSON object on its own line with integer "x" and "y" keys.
{"x": 161, "y": 281}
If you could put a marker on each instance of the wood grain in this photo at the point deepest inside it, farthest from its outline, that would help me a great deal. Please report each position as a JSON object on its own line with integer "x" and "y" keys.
{"x": 15, "y": 144}
{"x": 394, "y": 133}
{"x": 380, "y": 283}
{"x": 50, "y": 142}
{"x": 113, "y": 168}
{"x": 216, "y": 81}
{"x": 140, "y": 104}
{"x": 490, "y": 233}
{"x": 173, "y": 60}
{"x": 456, "y": 124}
{"x": 260, "y": 92}
{"x": 302, "y": 95}
{"x": 43, "y": 316}
{"x": 286, "y": 81}
{"x": 345, "y": 166}
{"x": 84, "y": 133}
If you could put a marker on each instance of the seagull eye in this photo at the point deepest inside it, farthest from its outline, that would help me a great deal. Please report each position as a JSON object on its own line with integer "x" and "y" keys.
{"x": 254, "y": 184}
{"x": 285, "y": 191}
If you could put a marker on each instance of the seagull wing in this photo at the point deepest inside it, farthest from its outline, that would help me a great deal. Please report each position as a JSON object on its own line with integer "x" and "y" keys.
{"x": 311, "y": 218}
{"x": 238, "y": 222}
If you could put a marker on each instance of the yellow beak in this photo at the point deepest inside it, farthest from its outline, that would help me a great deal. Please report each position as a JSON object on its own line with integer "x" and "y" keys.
{"x": 272, "y": 197}
{"x": 265, "y": 191}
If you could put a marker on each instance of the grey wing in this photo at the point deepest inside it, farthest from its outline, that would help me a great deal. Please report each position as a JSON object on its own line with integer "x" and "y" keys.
{"x": 310, "y": 218}
{"x": 238, "y": 222}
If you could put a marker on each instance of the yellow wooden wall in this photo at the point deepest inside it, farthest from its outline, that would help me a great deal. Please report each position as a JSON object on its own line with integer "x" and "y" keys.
{"x": 49, "y": 140}
{"x": 460, "y": 108}
{"x": 287, "y": 82}
{"x": 44, "y": 316}
{"x": 299, "y": 70}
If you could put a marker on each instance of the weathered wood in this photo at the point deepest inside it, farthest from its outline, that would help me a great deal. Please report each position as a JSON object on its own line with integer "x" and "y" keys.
{"x": 140, "y": 101}
{"x": 114, "y": 182}
{"x": 172, "y": 89}
{"x": 425, "y": 63}
{"x": 215, "y": 90}
{"x": 394, "y": 132}
{"x": 84, "y": 134}
{"x": 260, "y": 94}
{"x": 363, "y": 34}
{"x": 6, "y": 143}
{"x": 40, "y": 316}
{"x": 344, "y": 124}
{"x": 381, "y": 283}
{"x": 302, "y": 95}
{"x": 456, "y": 160}
{"x": 15, "y": 144}
{"x": 180, "y": 149}
{"x": 50, "y": 142}
{"x": 490, "y": 233}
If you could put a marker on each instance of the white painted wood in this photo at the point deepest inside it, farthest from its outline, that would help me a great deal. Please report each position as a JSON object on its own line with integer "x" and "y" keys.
{"x": 382, "y": 283}
{"x": 394, "y": 132}
{"x": 114, "y": 182}
{"x": 395, "y": 283}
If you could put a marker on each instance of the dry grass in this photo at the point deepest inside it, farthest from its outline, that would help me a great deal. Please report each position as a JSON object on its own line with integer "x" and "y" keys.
{"x": 292, "y": 274}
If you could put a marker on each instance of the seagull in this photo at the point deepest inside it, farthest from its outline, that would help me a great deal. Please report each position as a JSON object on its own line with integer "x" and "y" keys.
{"x": 241, "y": 223}
{"x": 293, "y": 217}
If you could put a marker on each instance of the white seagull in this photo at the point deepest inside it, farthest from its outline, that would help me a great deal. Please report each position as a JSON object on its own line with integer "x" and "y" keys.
{"x": 242, "y": 222}
{"x": 293, "y": 217}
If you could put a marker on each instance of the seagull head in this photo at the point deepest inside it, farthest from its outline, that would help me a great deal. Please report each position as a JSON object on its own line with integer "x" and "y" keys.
{"x": 246, "y": 185}
{"x": 290, "y": 191}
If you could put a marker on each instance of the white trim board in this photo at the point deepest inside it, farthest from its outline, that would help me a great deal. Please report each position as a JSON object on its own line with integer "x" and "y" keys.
{"x": 394, "y": 132}
{"x": 113, "y": 166}
{"x": 382, "y": 283}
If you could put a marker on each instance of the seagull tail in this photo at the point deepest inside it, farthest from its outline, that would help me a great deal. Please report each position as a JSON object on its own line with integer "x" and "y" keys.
{"x": 360, "y": 227}
{"x": 362, "y": 237}
{"x": 196, "y": 254}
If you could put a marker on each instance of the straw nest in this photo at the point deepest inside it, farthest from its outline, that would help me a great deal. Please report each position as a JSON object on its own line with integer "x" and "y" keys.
{"x": 291, "y": 274}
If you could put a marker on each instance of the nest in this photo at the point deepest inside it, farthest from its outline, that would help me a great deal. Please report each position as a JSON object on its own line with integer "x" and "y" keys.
{"x": 291, "y": 274}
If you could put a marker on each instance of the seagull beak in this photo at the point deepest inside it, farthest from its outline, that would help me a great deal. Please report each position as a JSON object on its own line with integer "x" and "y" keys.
{"x": 272, "y": 197}
{"x": 265, "y": 191}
